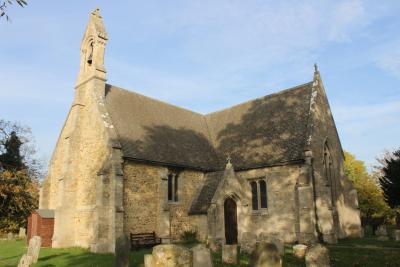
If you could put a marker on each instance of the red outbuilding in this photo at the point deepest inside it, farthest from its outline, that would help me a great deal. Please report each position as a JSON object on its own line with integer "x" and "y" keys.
{"x": 41, "y": 223}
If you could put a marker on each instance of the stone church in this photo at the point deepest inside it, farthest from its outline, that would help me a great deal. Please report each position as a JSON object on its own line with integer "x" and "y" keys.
{"x": 127, "y": 163}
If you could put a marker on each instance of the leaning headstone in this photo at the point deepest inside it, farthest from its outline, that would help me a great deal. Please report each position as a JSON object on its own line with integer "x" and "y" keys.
{"x": 248, "y": 243}
{"x": 201, "y": 256}
{"x": 122, "y": 250}
{"x": 229, "y": 254}
{"x": 10, "y": 236}
{"x": 317, "y": 256}
{"x": 25, "y": 261}
{"x": 148, "y": 260}
{"x": 265, "y": 255}
{"x": 299, "y": 251}
{"x": 170, "y": 255}
{"x": 396, "y": 234}
{"x": 34, "y": 248}
{"x": 22, "y": 233}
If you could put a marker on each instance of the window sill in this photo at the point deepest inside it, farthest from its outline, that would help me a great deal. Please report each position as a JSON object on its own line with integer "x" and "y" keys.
{"x": 261, "y": 212}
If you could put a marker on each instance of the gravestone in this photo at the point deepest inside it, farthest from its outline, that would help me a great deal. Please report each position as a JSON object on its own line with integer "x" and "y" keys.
{"x": 265, "y": 255}
{"x": 214, "y": 244}
{"x": 317, "y": 256}
{"x": 22, "y": 233}
{"x": 299, "y": 250}
{"x": 170, "y": 255}
{"x": 25, "y": 261}
{"x": 122, "y": 250}
{"x": 229, "y": 254}
{"x": 274, "y": 239}
{"x": 381, "y": 232}
{"x": 148, "y": 260}
{"x": 34, "y": 248}
{"x": 396, "y": 234}
{"x": 31, "y": 257}
{"x": 248, "y": 242}
{"x": 201, "y": 256}
{"x": 10, "y": 236}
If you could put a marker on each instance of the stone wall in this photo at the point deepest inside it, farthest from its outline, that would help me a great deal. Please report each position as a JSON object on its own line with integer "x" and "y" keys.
{"x": 146, "y": 204}
{"x": 336, "y": 207}
{"x": 280, "y": 217}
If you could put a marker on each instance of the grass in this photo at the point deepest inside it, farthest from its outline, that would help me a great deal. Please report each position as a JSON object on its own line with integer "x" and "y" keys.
{"x": 365, "y": 252}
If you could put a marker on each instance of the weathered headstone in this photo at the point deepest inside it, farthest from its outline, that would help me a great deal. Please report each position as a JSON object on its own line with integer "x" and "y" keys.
{"x": 34, "y": 248}
{"x": 25, "y": 261}
{"x": 396, "y": 235}
{"x": 22, "y": 233}
{"x": 265, "y": 255}
{"x": 381, "y": 231}
{"x": 248, "y": 242}
{"x": 362, "y": 232}
{"x": 274, "y": 239}
{"x": 148, "y": 260}
{"x": 122, "y": 250}
{"x": 170, "y": 255}
{"x": 299, "y": 250}
{"x": 213, "y": 244}
{"x": 317, "y": 256}
{"x": 229, "y": 254}
{"x": 10, "y": 236}
{"x": 32, "y": 255}
{"x": 201, "y": 256}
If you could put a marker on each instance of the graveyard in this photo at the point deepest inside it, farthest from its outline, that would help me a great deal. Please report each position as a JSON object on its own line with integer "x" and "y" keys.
{"x": 366, "y": 252}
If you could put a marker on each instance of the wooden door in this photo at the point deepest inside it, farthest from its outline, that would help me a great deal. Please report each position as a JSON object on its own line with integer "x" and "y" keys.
{"x": 230, "y": 216}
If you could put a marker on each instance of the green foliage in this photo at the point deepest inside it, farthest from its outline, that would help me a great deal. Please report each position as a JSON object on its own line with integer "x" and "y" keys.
{"x": 390, "y": 183}
{"x": 19, "y": 184}
{"x": 18, "y": 198}
{"x": 11, "y": 159}
{"x": 189, "y": 236}
{"x": 370, "y": 196}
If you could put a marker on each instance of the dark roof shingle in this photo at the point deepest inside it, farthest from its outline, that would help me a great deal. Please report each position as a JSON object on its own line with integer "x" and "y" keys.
{"x": 261, "y": 132}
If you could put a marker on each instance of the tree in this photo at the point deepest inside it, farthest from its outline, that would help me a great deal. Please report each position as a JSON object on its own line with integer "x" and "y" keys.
{"x": 11, "y": 159}
{"x": 390, "y": 182}
{"x": 6, "y": 3}
{"x": 370, "y": 196}
{"x": 18, "y": 198}
{"x": 19, "y": 176}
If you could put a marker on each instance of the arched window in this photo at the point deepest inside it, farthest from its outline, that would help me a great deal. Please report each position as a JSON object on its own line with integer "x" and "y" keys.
{"x": 254, "y": 195}
{"x": 172, "y": 187}
{"x": 263, "y": 194}
{"x": 329, "y": 171}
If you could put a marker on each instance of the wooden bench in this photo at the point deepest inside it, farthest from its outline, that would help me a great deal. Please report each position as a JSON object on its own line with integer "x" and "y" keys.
{"x": 144, "y": 240}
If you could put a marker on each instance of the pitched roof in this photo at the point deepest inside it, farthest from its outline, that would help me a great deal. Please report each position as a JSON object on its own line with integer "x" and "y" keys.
{"x": 262, "y": 132}
{"x": 45, "y": 213}
{"x": 202, "y": 202}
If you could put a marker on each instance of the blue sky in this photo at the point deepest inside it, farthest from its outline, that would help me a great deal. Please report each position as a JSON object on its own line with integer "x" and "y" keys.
{"x": 207, "y": 55}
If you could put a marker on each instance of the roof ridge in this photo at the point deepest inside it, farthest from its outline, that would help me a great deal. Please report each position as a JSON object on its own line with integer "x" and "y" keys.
{"x": 284, "y": 91}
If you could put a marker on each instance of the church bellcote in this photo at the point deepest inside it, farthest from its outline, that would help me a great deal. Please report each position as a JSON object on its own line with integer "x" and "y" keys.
{"x": 92, "y": 49}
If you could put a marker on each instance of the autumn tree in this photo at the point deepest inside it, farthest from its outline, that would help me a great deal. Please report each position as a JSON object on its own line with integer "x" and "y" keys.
{"x": 370, "y": 197}
{"x": 390, "y": 182}
{"x": 19, "y": 176}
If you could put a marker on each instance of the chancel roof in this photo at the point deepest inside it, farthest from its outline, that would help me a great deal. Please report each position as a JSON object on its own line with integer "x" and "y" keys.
{"x": 266, "y": 131}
